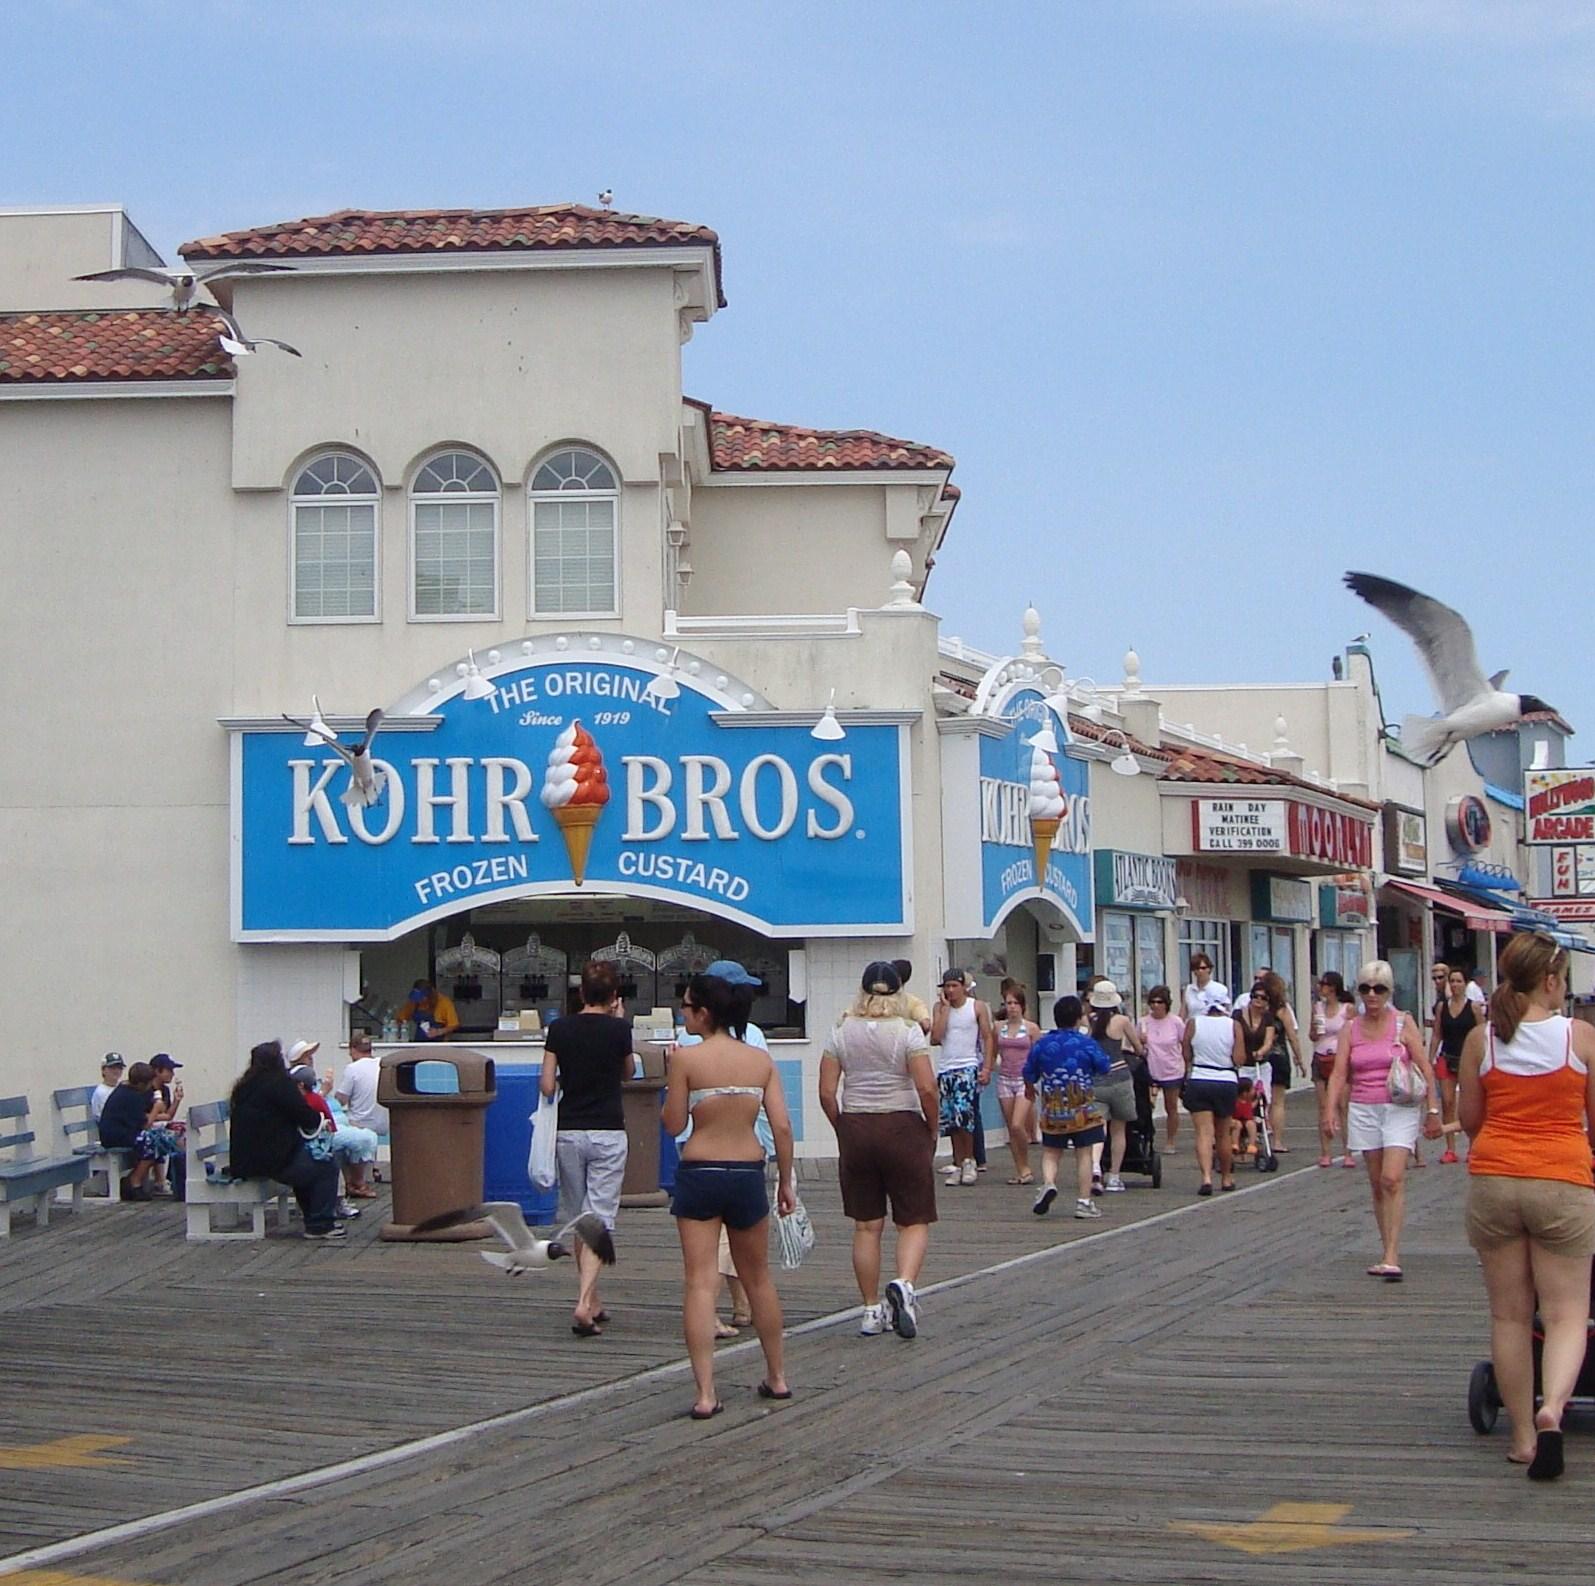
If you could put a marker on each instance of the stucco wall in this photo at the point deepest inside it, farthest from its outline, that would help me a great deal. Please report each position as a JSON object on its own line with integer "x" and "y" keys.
{"x": 41, "y": 252}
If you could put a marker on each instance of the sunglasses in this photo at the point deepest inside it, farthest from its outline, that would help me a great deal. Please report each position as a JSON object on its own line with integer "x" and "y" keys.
{"x": 1367, "y": 989}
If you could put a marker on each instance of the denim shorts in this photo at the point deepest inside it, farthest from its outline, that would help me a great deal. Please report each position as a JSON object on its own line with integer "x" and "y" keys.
{"x": 592, "y": 1167}
{"x": 734, "y": 1192}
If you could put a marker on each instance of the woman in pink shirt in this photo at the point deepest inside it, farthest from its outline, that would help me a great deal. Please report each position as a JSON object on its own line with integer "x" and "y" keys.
{"x": 1384, "y": 1131}
{"x": 1163, "y": 1035}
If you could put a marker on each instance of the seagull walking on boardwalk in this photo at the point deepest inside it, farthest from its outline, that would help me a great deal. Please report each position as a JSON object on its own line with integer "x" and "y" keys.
{"x": 526, "y": 1254}
{"x": 182, "y": 282}
{"x": 365, "y": 781}
{"x": 1470, "y": 703}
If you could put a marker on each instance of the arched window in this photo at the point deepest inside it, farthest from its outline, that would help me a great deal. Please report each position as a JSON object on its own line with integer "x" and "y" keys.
{"x": 575, "y": 549}
{"x": 454, "y": 538}
{"x": 334, "y": 507}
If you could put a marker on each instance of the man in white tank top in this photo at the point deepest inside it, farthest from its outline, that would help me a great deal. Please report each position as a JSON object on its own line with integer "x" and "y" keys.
{"x": 966, "y": 1045}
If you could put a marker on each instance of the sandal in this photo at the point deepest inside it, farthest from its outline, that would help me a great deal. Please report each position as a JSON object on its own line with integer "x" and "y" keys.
{"x": 1547, "y": 1462}
{"x": 1323, "y": 1161}
{"x": 1028, "y": 1178}
{"x": 1381, "y": 1269}
{"x": 695, "y": 1414}
{"x": 723, "y": 1330}
{"x": 587, "y": 1329}
{"x": 741, "y": 1321}
{"x": 767, "y": 1392}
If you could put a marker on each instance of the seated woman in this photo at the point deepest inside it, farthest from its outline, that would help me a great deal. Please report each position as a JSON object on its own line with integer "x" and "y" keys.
{"x": 135, "y": 1119}
{"x": 267, "y": 1123}
{"x": 354, "y": 1150}
{"x": 720, "y": 1084}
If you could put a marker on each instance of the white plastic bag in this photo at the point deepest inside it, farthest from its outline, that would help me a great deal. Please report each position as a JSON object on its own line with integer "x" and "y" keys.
{"x": 794, "y": 1235}
{"x": 541, "y": 1166}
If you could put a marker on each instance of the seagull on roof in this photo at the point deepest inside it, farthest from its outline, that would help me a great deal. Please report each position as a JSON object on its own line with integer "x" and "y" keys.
{"x": 526, "y": 1254}
{"x": 607, "y": 197}
{"x": 1470, "y": 703}
{"x": 237, "y": 345}
{"x": 182, "y": 282}
{"x": 365, "y": 781}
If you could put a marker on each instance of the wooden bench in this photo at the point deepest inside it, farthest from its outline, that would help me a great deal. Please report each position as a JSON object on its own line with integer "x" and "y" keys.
{"x": 112, "y": 1162}
{"x": 210, "y": 1185}
{"x": 27, "y": 1178}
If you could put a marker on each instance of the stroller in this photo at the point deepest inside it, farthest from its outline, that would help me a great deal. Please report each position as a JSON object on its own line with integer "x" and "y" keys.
{"x": 1261, "y": 1076}
{"x": 1484, "y": 1397}
{"x": 1140, "y": 1137}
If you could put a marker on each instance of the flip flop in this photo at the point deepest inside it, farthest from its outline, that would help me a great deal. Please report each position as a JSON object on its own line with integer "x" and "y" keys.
{"x": 1381, "y": 1269}
{"x": 695, "y": 1414}
{"x": 1547, "y": 1462}
{"x": 1029, "y": 1178}
{"x": 600, "y": 1317}
{"x": 722, "y": 1331}
{"x": 587, "y": 1329}
{"x": 767, "y": 1392}
{"x": 1392, "y": 1274}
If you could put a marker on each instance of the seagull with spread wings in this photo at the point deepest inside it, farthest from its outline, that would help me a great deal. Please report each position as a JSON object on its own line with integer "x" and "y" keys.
{"x": 182, "y": 282}
{"x": 237, "y": 345}
{"x": 1470, "y": 703}
{"x": 366, "y": 782}
{"x": 526, "y": 1254}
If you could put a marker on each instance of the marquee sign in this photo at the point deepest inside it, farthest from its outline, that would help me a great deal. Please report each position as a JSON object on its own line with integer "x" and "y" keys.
{"x": 1560, "y": 805}
{"x": 1281, "y": 826}
{"x": 598, "y": 772}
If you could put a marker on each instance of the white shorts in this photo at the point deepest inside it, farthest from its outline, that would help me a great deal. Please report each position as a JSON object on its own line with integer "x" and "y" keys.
{"x": 592, "y": 1167}
{"x": 1376, "y": 1125}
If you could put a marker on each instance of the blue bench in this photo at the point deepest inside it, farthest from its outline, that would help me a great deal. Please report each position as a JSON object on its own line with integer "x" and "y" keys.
{"x": 27, "y": 1179}
{"x": 210, "y": 1184}
{"x": 111, "y": 1162}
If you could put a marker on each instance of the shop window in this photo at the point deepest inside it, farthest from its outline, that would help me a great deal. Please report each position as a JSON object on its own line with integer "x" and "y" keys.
{"x": 575, "y": 504}
{"x": 454, "y": 538}
{"x": 333, "y": 505}
{"x": 1207, "y": 936}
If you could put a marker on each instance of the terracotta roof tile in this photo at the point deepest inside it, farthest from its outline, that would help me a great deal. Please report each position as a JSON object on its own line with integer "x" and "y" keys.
{"x": 70, "y": 345}
{"x": 352, "y": 232}
{"x": 1193, "y": 765}
{"x": 739, "y": 443}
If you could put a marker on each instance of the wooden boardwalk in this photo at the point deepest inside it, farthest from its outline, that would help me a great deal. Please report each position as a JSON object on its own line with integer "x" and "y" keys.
{"x": 1133, "y": 1409}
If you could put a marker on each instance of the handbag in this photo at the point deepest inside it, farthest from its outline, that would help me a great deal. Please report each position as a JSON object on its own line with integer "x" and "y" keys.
{"x": 1405, "y": 1084}
{"x": 541, "y": 1165}
{"x": 318, "y": 1144}
{"x": 795, "y": 1236}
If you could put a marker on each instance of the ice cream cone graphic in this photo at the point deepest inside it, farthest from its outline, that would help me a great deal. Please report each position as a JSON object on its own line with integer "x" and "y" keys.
{"x": 1046, "y": 809}
{"x": 575, "y": 790}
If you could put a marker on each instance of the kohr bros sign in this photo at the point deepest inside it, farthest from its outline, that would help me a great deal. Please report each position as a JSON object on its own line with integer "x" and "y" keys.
{"x": 611, "y": 773}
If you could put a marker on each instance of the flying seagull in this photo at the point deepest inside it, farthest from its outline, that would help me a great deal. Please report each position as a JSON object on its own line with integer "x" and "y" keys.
{"x": 1470, "y": 703}
{"x": 182, "y": 282}
{"x": 365, "y": 781}
{"x": 237, "y": 345}
{"x": 525, "y": 1253}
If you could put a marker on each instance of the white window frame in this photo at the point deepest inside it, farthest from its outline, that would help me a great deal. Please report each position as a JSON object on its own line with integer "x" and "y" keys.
{"x": 418, "y": 498}
{"x": 296, "y": 500}
{"x": 533, "y": 497}
{"x": 1210, "y": 936}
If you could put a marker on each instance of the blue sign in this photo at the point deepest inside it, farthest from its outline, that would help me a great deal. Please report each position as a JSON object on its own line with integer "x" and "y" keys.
{"x": 1035, "y": 816}
{"x": 591, "y": 773}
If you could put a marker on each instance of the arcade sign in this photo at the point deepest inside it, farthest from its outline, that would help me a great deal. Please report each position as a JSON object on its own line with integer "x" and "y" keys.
{"x": 598, "y": 773}
{"x": 1560, "y": 805}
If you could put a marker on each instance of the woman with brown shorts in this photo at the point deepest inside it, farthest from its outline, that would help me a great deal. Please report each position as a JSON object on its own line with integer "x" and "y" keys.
{"x": 1528, "y": 1105}
{"x": 887, "y": 1118}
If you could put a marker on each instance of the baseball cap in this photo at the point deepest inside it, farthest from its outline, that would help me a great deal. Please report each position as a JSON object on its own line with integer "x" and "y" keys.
{"x": 730, "y": 971}
{"x": 305, "y": 1077}
{"x": 952, "y": 975}
{"x": 164, "y": 1060}
{"x": 882, "y": 978}
{"x": 113, "y": 1060}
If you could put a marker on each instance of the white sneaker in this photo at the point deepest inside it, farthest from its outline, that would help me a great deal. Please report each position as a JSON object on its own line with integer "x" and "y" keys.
{"x": 968, "y": 1172}
{"x": 953, "y": 1174}
{"x": 1043, "y": 1201}
{"x": 1087, "y": 1210}
{"x": 1114, "y": 1185}
{"x": 873, "y": 1322}
{"x": 902, "y": 1308}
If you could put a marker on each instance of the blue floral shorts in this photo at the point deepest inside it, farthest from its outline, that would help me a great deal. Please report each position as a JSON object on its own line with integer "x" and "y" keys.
{"x": 960, "y": 1100}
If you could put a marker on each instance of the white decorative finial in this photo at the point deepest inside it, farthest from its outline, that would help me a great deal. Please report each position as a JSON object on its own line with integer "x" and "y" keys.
{"x": 1281, "y": 739}
{"x": 902, "y": 591}
{"x": 1032, "y": 647}
{"x": 1132, "y": 672}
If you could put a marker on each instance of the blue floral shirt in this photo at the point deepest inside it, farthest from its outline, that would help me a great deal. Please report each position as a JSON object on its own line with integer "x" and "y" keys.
{"x": 1063, "y": 1066}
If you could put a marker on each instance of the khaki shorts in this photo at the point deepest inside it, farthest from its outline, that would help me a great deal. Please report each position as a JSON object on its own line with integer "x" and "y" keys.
{"x": 1557, "y": 1216}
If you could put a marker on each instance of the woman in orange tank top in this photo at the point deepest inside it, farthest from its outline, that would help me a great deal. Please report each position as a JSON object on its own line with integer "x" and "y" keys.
{"x": 1528, "y": 1104}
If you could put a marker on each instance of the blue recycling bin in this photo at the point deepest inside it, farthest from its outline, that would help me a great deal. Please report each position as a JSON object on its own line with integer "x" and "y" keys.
{"x": 509, "y": 1141}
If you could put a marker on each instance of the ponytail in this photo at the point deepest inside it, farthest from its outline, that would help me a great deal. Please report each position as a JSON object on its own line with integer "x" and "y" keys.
{"x": 1525, "y": 963}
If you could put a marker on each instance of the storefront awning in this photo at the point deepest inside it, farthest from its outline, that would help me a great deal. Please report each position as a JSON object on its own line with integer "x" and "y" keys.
{"x": 1476, "y": 916}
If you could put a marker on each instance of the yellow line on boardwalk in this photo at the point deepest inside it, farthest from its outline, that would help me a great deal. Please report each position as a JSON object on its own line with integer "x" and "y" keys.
{"x": 59, "y": 1577}
{"x": 62, "y": 1453}
{"x": 1288, "y": 1528}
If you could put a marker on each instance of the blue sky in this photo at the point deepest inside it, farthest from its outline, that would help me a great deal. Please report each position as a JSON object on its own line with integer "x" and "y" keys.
{"x": 1212, "y": 299}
